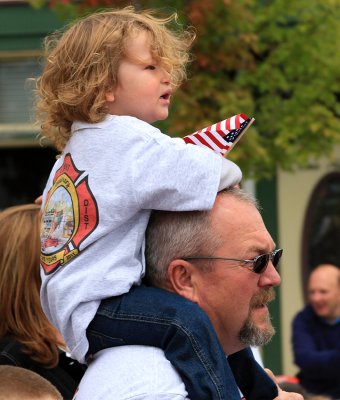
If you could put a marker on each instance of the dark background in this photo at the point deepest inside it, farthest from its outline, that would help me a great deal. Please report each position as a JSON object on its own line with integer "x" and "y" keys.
{"x": 23, "y": 174}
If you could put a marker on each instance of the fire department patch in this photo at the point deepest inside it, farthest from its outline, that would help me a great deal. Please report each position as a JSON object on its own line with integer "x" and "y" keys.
{"x": 70, "y": 216}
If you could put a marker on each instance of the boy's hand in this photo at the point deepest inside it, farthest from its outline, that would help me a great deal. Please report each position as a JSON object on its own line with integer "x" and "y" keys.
{"x": 38, "y": 200}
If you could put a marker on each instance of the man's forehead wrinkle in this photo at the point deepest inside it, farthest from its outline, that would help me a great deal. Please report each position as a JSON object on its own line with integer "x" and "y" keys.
{"x": 261, "y": 248}
{"x": 257, "y": 239}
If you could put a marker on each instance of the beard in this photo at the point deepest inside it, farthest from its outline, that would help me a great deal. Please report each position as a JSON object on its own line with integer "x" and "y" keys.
{"x": 252, "y": 335}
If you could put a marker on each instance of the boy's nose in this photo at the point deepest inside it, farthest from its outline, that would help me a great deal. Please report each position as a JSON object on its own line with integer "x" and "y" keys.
{"x": 166, "y": 77}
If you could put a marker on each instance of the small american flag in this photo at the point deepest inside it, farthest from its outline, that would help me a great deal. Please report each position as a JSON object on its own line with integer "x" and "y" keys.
{"x": 223, "y": 136}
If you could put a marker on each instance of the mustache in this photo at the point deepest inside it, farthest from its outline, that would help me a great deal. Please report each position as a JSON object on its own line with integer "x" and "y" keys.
{"x": 263, "y": 297}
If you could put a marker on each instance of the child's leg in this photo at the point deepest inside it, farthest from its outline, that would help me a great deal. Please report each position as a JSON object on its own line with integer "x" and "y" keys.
{"x": 154, "y": 317}
{"x": 250, "y": 376}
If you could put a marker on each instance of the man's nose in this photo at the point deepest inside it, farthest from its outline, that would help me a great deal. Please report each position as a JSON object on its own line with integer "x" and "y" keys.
{"x": 270, "y": 277}
{"x": 315, "y": 297}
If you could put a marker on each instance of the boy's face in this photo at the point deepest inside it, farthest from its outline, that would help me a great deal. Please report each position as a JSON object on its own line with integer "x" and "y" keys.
{"x": 143, "y": 87}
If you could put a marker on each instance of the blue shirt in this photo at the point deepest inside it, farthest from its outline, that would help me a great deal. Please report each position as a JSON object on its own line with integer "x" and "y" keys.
{"x": 316, "y": 347}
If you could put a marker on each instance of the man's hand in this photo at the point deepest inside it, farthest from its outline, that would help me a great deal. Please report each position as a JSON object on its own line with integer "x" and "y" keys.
{"x": 282, "y": 394}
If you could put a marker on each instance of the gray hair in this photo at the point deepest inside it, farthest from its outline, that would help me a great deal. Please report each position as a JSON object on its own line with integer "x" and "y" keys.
{"x": 176, "y": 235}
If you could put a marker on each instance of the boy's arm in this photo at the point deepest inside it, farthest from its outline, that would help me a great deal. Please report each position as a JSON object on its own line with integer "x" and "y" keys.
{"x": 183, "y": 177}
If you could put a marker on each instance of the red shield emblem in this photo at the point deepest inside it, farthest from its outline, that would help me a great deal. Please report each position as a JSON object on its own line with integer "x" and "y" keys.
{"x": 70, "y": 216}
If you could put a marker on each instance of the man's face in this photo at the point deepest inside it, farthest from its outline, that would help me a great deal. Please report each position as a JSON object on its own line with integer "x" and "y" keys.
{"x": 234, "y": 297}
{"x": 324, "y": 292}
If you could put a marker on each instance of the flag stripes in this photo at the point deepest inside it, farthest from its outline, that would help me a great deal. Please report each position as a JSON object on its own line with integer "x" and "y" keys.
{"x": 223, "y": 135}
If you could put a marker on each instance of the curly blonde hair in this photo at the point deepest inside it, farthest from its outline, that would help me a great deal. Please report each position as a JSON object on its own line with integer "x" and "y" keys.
{"x": 21, "y": 314}
{"x": 82, "y": 64}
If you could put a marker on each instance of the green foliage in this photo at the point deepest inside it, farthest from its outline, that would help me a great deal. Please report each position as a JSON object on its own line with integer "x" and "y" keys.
{"x": 296, "y": 85}
{"x": 37, "y": 4}
{"x": 276, "y": 60}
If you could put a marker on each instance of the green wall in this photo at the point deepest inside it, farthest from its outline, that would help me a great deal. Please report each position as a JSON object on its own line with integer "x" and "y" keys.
{"x": 23, "y": 28}
{"x": 266, "y": 191}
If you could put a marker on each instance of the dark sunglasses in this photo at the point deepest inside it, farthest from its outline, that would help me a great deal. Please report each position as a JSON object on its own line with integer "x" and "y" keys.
{"x": 260, "y": 263}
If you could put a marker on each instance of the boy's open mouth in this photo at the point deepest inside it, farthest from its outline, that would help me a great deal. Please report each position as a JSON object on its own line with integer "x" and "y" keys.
{"x": 166, "y": 96}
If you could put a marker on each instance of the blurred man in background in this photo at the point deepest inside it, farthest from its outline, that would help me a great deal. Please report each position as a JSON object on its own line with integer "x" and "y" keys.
{"x": 316, "y": 333}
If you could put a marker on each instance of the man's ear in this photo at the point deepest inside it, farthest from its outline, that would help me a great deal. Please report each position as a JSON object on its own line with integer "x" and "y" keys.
{"x": 180, "y": 275}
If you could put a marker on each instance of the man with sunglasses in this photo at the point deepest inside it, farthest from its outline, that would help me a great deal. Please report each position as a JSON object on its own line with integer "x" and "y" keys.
{"x": 224, "y": 260}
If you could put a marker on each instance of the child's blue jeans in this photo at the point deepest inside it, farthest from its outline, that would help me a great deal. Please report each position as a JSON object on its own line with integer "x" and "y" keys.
{"x": 155, "y": 317}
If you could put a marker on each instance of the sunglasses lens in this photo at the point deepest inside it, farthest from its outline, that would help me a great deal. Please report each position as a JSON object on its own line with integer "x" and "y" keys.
{"x": 277, "y": 257}
{"x": 261, "y": 263}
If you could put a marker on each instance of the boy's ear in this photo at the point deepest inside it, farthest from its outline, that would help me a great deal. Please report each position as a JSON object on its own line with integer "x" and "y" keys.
{"x": 180, "y": 274}
{"x": 109, "y": 96}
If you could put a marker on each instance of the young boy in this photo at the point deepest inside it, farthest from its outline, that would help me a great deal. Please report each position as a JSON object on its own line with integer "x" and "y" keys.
{"x": 107, "y": 78}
